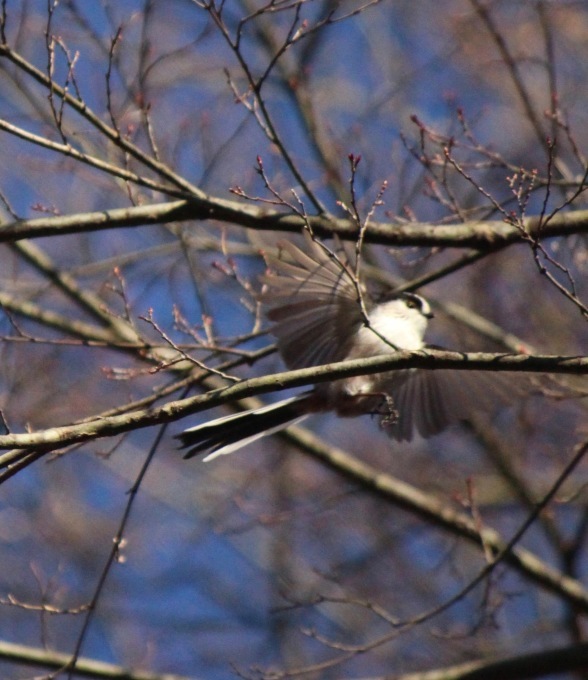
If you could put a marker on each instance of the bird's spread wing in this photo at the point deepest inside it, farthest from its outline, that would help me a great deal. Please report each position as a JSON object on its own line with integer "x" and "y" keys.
{"x": 313, "y": 303}
{"x": 428, "y": 401}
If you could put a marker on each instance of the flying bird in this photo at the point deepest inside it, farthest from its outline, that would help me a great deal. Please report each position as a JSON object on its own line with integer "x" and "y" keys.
{"x": 321, "y": 314}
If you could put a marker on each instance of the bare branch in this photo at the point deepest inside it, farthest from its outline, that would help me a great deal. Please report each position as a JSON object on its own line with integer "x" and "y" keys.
{"x": 481, "y": 234}
{"x": 57, "y": 437}
{"x": 90, "y": 668}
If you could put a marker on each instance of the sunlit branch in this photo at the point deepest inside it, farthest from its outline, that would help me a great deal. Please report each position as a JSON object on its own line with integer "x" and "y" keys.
{"x": 68, "y": 150}
{"x": 56, "y": 437}
{"x": 50, "y": 319}
{"x": 84, "y": 110}
{"x": 426, "y": 506}
{"x": 479, "y": 234}
{"x": 85, "y": 667}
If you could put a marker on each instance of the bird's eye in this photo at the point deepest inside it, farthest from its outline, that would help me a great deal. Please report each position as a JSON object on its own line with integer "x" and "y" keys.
{"x": 411, "y": 304}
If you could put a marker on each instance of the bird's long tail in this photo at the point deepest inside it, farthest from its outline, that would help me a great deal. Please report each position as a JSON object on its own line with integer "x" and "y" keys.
{"x": 229, "y": 433}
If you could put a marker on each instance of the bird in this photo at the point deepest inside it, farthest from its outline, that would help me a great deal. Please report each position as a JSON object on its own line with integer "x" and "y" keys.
{"x": 320, "y": 314}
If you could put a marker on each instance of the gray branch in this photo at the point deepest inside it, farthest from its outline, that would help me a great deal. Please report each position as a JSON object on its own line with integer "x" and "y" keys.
{"x": 483, "y": 235}
{"x": 86, "y": 668}
{"x": 57, "y": 437}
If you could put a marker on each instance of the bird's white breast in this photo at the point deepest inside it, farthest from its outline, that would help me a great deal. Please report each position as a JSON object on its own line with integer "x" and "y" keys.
{"x": 403, "y": 327}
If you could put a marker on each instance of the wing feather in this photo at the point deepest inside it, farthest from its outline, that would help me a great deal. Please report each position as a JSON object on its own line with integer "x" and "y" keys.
{"x": 312, "y": 301}
{"x": 428, "y": 401}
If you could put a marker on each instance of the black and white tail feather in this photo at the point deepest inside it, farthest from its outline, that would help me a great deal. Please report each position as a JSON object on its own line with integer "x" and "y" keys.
{"x": 312, "y": 302}
{"x": 229, "y": 433}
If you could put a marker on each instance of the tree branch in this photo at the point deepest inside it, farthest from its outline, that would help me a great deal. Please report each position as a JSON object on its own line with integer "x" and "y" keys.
{"x": 479, "y": 234}
{"x": 442, "y": 515}
{"x": 57, "y": 437}
{"x": 538, "y": 665}
{"x": 85, "y": 667}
